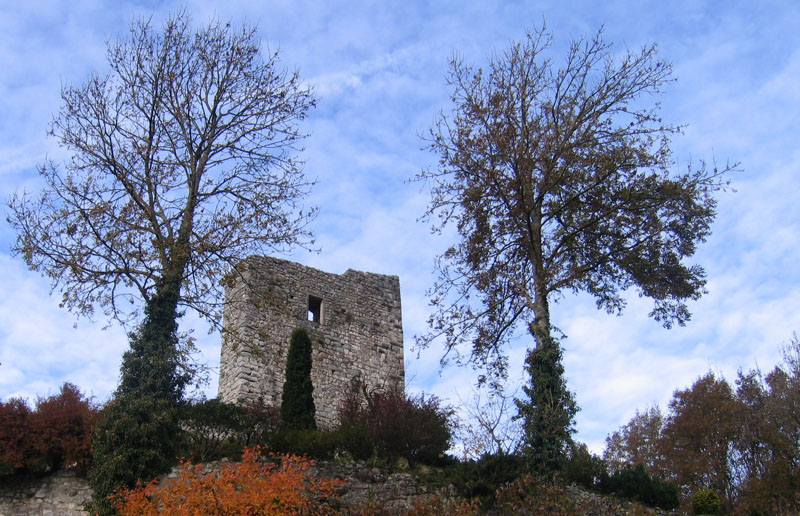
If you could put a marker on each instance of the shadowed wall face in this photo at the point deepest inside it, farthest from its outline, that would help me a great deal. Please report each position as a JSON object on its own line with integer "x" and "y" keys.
{"x": 354, "y": 321}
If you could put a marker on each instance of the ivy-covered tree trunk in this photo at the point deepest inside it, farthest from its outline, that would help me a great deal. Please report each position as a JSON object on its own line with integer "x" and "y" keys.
{"x": 548, "y": 413}
{"x": 138, "y": 436}
{"x": 297, "y": 400}
{"x": 152, "y": 365}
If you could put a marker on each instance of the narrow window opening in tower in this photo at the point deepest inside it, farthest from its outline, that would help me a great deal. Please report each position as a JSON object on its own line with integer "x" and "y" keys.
{"x": 314, "y": 309}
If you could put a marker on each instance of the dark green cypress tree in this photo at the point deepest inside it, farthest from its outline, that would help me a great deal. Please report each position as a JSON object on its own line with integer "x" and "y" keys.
{"x": 549, "y": 411}
{"x": 297, "y": 400}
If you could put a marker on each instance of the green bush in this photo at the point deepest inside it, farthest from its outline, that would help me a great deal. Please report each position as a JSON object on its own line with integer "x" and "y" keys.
{"x": 136, "y": 439}
{"x": 211, "y": 430}
{"x": 636, "y": 484}
{"x": 583, "y": 468}
{"x": 706, "y": 501}
{"x": 482, "y": 478}
{"x": 297, "y": 400}
{"x": 214, "y": 429}
{"x": 356, "y": 439}
{"x": 314, "y": 443}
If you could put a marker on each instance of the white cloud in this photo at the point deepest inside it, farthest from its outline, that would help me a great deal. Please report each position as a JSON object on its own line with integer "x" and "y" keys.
{"x": 44, "y": 347}
{"x": 379, "y": 72}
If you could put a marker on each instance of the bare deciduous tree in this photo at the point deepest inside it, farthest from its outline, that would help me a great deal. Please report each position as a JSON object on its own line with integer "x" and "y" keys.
{"x": 183, "y": 161}
{"x": 489, "y": 426}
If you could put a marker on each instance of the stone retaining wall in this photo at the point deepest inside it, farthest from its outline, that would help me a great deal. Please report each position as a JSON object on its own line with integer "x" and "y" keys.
{"x": 59, "y": 494}
{"x": 64, "y": 494}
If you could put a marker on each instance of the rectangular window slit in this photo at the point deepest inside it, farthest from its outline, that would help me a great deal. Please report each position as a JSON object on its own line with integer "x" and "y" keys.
{"x": 315, "y": 309}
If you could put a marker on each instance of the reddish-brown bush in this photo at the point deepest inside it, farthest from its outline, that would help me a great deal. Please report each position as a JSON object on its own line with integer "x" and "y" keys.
{"x": 14, "y": 434}
{"x": 418, "y": 428}
{"x": 62, "y": 425}
{"x": 56, "y": 434}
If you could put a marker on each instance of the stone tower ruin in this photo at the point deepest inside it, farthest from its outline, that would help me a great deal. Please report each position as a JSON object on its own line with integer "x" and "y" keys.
{"x": 354, "y": 321}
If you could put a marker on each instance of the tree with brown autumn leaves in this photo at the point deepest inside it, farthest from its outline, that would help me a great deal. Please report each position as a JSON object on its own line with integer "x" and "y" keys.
{"x": 638, "y": 442}
{"x": 743, "y": 443}
{"x": 559, "y": 177}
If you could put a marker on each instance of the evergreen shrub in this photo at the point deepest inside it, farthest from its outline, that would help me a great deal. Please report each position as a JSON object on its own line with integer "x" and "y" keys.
{"x": 318, "y": 444}
{"x": 706, "y": 501}
{"x": 136, "y": 439}
{"x": 212, "y": 430}
{"x": 297, "y": 399}
{"x": 356, "y": 439}
{"x": 583, "y": 468}
{"x": 480, "y": 479}
{"x": 636, "y": 484}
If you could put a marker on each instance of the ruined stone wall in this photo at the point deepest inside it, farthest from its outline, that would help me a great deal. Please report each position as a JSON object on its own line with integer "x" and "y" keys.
{"x": 357, "y": 334}
{"x": 60, "y": 494}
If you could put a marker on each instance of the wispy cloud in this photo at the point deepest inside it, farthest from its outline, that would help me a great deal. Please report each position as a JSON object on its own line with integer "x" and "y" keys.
{"x": 378, "y": 70}
{"x": 44, "y": 346}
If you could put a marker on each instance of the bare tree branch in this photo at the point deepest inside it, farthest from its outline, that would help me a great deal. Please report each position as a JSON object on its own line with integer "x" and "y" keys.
{"x": 183, "y": 161}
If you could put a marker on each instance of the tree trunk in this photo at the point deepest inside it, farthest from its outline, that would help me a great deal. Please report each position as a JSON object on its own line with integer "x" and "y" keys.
{"x": 152, "y": 365}
{"x": 549, "y": 412}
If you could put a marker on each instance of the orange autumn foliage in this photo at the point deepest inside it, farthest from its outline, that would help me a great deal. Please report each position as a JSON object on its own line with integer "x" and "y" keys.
{"x": 282, "y": 486}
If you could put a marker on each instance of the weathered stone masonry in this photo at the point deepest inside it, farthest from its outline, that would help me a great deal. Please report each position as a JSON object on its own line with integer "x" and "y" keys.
{"x": 354, "y": 321}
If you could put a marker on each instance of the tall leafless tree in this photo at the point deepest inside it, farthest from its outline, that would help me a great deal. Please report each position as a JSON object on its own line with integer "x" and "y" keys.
{"x": 489, "y": 425}
{"x": 183, "y": 160}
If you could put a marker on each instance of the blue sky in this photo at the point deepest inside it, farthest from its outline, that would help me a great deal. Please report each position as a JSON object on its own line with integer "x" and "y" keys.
{"x": 378, "y": 71}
